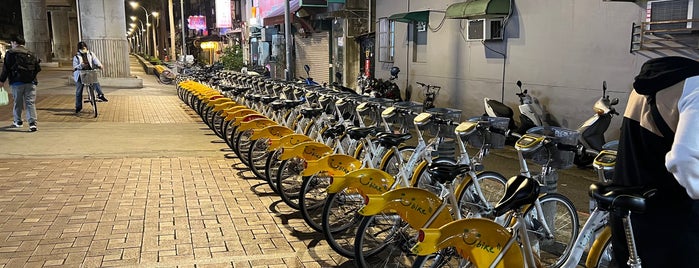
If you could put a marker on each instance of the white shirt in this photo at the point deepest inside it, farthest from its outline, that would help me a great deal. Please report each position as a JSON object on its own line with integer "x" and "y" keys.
{"x": 683, "y": 159}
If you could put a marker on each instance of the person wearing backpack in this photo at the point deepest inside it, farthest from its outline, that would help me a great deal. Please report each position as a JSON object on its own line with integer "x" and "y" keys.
{"x": 85, "y": 60}
{"x": 20, "y": 67}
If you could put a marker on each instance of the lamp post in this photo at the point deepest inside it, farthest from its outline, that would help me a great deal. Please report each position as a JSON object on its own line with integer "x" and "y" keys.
{"x": 155, "y": 43}
{"x": 135, "y": 5}
{"x": 143, "y": 29}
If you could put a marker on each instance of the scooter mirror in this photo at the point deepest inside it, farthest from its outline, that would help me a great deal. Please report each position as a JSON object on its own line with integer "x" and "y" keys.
{"x": 615, "y": 101}
{"x": 604, "y": 85}
{"x": 519, "y": 84}
{"x": 307, "y": 68}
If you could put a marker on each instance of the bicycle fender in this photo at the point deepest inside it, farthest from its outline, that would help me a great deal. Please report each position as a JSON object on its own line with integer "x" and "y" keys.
{"x": 597, "y": 247}
{"x": 414, "y": 205}
{"x": 247, "y": 118}
{"x": 230, "y": 110}
{"x": 366, "y": 181}
{"x": 212, "y": 98}
{"x": 287, "y": 140}
{"x": 417, "y": 171}
{"x": 478, "y": 240}
{"x": 256, "y": 124}
{"x": 270, "y": 132}
{"x": 309, "y": 150}
{"x": 238, "y": 115}
{"x": 334, "y": 165}
{"x": 224, "y": 105}
{"x": 213, "y": 102}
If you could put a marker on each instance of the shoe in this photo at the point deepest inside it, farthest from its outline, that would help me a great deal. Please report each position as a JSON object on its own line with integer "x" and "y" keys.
{"x": 102, "y": 98}
{"x": 17, "y": 124}
{"x": 32, "y": 127}
{"x": 78, "y": 110}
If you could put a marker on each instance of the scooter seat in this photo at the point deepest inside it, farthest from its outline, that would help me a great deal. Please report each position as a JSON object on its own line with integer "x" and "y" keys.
{"x": 519, "y": 191}
{"x": 444, "y": 172}
{"x": 616, "y": 197}
{"x": 389, "y": 139}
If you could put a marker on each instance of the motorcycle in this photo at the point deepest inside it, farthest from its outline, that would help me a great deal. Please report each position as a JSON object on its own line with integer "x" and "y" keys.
{"x": 593, "y": 129}
{"x": 379, "y": 88}
{"x": 308, "y": 80}
{"x": 531, "y": 114}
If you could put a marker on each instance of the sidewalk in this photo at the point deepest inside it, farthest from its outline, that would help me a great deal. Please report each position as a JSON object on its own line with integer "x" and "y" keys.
{"x": 147, "y": 184}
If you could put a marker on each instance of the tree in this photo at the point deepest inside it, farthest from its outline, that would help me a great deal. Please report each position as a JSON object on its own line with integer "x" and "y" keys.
{"x": 232, "y": 58}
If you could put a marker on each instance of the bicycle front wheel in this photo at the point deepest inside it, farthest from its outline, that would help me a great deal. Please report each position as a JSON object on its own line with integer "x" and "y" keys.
{"x": 92, "y": 99}
{"x": 492, "y": 185}
{"x": 447, "y": 257}
{"x": 562, "y": 220}
{"x": 384, "y": 240}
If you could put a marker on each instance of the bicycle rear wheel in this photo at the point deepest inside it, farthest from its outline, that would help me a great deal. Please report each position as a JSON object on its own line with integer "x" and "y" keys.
{"x": 562, "y": 219}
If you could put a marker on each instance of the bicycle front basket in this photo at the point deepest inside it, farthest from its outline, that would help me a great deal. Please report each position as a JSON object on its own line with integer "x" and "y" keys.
{"x": 494, "y": 139}
{"x": 88, "y": 77}
{"x": 550, "y": 154}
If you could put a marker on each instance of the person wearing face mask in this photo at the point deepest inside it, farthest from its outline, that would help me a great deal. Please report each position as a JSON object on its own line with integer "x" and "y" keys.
{"x": 85, "y": 60}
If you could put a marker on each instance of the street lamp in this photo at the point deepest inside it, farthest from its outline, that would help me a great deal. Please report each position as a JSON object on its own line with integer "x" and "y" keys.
{"x": 136, "y": 5}
{"x": 143, "y": 29}
{"x": 155, "y": 43}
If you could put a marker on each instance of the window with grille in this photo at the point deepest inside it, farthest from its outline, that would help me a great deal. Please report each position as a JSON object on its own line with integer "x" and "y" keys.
{"x": 670, "y": 10}
{"x": 387, "y": 37}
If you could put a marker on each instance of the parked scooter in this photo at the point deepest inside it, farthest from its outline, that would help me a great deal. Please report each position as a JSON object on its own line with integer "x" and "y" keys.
{"x": 593, "y": 129}
{"x": 379, "y": 88}
{"x": 531, "y": 114}
{"x": 308, "y": 80}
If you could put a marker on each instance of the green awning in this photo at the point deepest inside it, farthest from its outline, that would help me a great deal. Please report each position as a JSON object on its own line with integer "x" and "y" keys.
{"x": 479, "y": 9}
{"x": 410, "y": 17}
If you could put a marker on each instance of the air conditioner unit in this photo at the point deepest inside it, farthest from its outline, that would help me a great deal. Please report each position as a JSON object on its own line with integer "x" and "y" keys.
{"x": 484, "y": 29}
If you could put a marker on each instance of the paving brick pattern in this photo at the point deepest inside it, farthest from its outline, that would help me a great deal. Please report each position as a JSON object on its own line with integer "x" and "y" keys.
{"x": 184, "y": 211}
{"x": 148, "y": 212}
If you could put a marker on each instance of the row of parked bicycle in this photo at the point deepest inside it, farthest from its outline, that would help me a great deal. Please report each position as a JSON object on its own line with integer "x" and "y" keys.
{"x": 390, "y": 185}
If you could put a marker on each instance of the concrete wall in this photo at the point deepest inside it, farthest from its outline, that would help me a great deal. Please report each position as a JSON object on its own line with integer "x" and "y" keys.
{"x": 561, "y": 50}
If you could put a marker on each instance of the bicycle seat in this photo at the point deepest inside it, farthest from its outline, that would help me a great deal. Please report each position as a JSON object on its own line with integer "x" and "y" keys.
{"x": 249, "y": 96}
{"x": 268, "y": 99}
{"x": 292, "y": 103}
{"x": 277, "y": 105}
{"x": 627, "y": 198}
{"x": 311, "y": 112}
{"x": 519, "y": 191}
{"x": 226, "y": 88}
{"x": 256, "y": 97}
{"x": 357, "y": 133}
{"x": 334, "y": 132}
{"x": 445, "y": 172}
{"x": 389, "y": 139}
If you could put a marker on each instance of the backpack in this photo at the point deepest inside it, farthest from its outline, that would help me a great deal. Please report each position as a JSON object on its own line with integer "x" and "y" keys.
{"x": 26, "y": 67}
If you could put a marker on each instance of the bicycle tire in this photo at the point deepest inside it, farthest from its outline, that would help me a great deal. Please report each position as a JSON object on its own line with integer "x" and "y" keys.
{"x": 92, "y": 99}
{"x": 257, "y": 157}
{"x": 447, "y": 258}
{"x": 384, "y": 240}
{"x": 312, "y": 200}
{"x": 242, "y": 144}
{"x": 289, "y": 181}
{"x": 492, "y": 186}
{"x": 553, "y": 251}
{"x": 601, "y": 254}
{"x": 271, "y": 169}
{"x": 389, "y": 162}
{"x": 341, "y": 220}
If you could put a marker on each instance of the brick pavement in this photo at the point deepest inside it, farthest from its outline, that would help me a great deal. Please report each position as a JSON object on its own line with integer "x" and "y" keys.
{"x": 141, "y": 204}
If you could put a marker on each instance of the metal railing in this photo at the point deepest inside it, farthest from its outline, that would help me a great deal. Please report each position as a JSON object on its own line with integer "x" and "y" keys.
{"x": 646, "y": 37}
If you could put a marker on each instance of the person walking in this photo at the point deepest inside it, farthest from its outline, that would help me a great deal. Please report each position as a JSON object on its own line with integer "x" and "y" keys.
{"x": 20, "y": 67}
{"x": 85, "y": 60}
{"x": 659, "y": 149}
